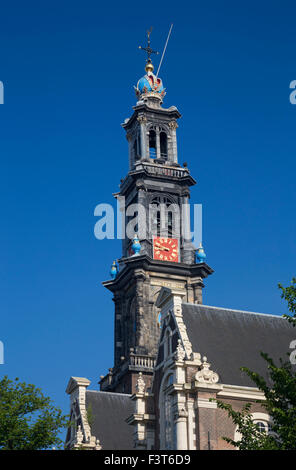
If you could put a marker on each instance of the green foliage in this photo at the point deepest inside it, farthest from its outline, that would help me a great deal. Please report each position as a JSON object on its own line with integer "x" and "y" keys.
{"x": 28, "y": 419}
{"x": 251, "y": 438}
{"x": 289, "y": 294}
{"x": 279, "y": 403}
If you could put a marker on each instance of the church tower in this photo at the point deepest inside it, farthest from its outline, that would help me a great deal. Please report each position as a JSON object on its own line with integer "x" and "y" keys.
{"x": 157, "y": 250}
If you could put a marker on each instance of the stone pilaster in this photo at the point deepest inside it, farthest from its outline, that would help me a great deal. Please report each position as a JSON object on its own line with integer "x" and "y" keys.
{"x": 130, "y": 151}
{"x": 141, "y": 321}
{"x": 143, "y": 120}
{"x": 117, "y": 328}
{"x": 142, "y": 421}
{"x": 157, "y": 145}
{"x": 173, "y": 126}
{"x": 206, "y": 387}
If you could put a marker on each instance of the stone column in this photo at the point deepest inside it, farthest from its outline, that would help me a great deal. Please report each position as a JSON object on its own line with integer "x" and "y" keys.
{"x": 142, "y": 120}
{"x": 173, "y": 126}
{"x": 191, "y": 420}
{"x": 157, "y": 144}
{"x": 118, "y": 350}
{"x": 186, "y": 235}
{"x": 142, "y": 216}
{"x": 181, "y": 429}
{"x": 141, "y": 330}
{"x": 197, "y": 289}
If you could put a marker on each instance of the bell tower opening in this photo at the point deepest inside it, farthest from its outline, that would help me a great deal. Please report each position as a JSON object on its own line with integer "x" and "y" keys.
{"x": 152, "y": 144}
{"x": 163, "y": 145}
{"x": 137, "y": 147}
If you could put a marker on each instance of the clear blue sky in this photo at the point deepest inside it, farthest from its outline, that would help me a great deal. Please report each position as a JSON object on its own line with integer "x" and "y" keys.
{"x": 68, "y": 69}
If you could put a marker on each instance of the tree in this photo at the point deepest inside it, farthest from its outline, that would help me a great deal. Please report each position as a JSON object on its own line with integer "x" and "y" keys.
{"x": 280, "y": 400}
{"x": 289, "y": 294}
{"x": 28, "y": 419}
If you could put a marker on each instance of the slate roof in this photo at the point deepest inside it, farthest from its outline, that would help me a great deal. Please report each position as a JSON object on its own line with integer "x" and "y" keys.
{"x": 109, "y": 412}
{"x": 232, "y": 338}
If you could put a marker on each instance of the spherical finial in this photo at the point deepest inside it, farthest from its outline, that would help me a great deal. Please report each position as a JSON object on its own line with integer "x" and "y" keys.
{"x": 149, "y": 66}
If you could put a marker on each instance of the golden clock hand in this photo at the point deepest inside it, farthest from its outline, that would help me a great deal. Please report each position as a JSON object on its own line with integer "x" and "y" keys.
{"x": 162, "y": 248}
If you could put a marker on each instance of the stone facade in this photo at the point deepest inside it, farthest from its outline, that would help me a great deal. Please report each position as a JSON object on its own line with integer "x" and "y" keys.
{"x": 183, "y": 393}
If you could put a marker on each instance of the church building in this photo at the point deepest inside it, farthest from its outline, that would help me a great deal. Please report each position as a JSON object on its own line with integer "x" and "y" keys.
{"x": 172, "y": 353}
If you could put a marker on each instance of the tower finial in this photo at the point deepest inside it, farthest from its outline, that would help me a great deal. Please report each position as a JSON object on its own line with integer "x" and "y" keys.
{"x": 149, "y": 66}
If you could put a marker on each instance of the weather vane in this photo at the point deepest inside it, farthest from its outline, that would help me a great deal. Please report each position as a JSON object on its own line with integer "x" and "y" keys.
{"x": 148, "y": 48}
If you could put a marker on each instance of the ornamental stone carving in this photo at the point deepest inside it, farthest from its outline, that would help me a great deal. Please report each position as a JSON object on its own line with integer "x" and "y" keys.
{"x": 173, "y": 125}
{"x": 140, "y": 385}
{"x": 180, "y": 352}
{"x": 205, "y": 375}
{"x": 79, "y": 436}
{"x": 141, "y": 119}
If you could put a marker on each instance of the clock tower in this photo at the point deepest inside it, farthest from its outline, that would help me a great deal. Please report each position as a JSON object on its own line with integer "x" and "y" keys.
{"x": 157, "y": 250}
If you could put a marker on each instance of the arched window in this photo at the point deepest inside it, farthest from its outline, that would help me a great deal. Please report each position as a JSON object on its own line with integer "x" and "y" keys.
{"x": 167, "y": 343}
{"x": 170, "y": 224}
{"x": 163, "y": 145}
{"x": 167, "y": 425}
{"x": 263, "y": 426}
{"x": 137, "y": 147}
{"x": 263, "y": 422}
{"x": 152, "y": 144}
{"x": 165, "y": 217}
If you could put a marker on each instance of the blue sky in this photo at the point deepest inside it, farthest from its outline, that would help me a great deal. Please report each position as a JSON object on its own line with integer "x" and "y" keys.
{"x": 68, "y": 70}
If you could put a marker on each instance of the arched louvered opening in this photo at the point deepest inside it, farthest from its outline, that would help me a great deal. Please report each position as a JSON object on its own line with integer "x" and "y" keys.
{"x": 137, "y": 147}
{"x": 152, "y": 144}
{"x": 163, "y": 145}
{"x": 165, "y": 217}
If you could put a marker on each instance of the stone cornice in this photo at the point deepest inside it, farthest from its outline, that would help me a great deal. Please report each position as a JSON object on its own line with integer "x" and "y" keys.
{"x": 201, "y": 270}
{"x": 76, "y": 382}
{"x": 143, "y": 417}
{"x": 240, "y": 393}
{"x": 145, "y": 109}
{"x": 185, "y": 179}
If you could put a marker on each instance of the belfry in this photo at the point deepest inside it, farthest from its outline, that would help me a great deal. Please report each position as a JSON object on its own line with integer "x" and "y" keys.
{"x": 158, "y": 185}
{"x": 173, "y": 355}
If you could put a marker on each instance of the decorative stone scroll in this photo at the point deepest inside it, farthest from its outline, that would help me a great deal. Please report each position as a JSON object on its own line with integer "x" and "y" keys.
{"x": 205, "y": 375}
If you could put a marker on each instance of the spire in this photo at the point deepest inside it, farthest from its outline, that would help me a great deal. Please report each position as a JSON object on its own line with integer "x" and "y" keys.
{"x": 149, "y": 66}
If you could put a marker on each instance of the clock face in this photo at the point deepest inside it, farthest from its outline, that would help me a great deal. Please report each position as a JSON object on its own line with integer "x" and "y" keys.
{"x": 165, "y": 249}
